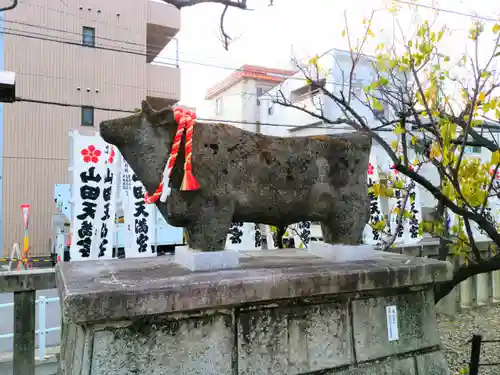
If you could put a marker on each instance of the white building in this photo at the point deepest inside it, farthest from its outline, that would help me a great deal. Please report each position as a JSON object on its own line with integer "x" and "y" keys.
{"x": 236, "y": 98}
{"x": 336, "y": 66}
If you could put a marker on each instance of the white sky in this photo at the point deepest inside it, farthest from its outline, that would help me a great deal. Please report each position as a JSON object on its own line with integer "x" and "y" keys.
{"x": 265, "y": 36}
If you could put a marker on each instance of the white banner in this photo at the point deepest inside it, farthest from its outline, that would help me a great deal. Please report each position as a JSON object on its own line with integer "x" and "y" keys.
{"x": 139, "y": 218}
{"x": 395, "y": 205}
{"x": 370, "y": 235}
{"x": 128, "y": 209}
{"x": 241, "y": 236}
{"x": 301, "y": 233}
{"x": 92, "y": 229}
{"x": 412, "y": 225}
{"x": 106, "y": 209}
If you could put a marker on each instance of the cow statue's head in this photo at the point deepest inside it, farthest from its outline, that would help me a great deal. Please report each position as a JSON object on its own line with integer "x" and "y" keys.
{"x": 144, "y": 139}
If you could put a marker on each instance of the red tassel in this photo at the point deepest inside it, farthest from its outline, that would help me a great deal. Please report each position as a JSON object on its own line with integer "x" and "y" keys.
{"x": 189, "y": 183}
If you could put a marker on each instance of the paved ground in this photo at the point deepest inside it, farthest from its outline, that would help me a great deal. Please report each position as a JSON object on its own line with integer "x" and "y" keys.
{"x": 7, "y": 313}
{"x": 457, "y": 330}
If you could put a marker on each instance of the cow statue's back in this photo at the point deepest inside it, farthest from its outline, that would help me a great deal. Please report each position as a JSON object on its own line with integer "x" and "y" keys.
{"x": 248, "y": 177}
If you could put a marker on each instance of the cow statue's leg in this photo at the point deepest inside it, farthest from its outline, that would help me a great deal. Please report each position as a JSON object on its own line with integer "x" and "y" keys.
{"x": 346, "y": 223}
{"x": 207, "y": 229}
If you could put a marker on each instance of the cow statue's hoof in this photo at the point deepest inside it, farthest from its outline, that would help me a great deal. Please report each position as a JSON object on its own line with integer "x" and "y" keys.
{"x": 208, "y": 260}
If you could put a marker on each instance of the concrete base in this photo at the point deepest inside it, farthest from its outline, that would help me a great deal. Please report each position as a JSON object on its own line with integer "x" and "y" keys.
{"x": 281, "y": 312}
{"x": 343, "y": 253}
{"x": 204, "y": 261}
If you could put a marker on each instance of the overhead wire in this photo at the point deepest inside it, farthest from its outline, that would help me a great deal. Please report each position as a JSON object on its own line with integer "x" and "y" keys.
{"x": 47, "y": 37}
{"x": 114, "y": 25}
{"x": 105, "y": 82}
{"x": 79, "y": 34}
{"x": 158, "y": 59}
{"x": 463, "y": 14}
{"x": 164, "y": 60}
{"x": 264, "y": 96}
{"x": 118, "y": 110}
{"x": 75, "y": 15}
{"x": 451, "y": 11}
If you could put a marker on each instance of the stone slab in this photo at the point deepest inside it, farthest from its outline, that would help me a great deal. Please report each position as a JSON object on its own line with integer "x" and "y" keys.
{"x": 36, "y": 279}
{"x": 416, "y": 325}
{"x": 203, "y": 261}
{"x": 161, "y": 346}
{"x": 404, "y": 366}
{"x": 432, "y": 364}
{"x": 120, "y": 289}
{"x": 294, "y": 340}
{"x": 343, "y": 253}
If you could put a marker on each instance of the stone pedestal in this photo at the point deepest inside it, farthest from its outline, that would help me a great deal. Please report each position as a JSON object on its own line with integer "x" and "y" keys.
{"x": 283, "y": 312}
{"x": 495, "y": 276}
{"x": 466, "y": 293}
{"x": 482, "y": 289}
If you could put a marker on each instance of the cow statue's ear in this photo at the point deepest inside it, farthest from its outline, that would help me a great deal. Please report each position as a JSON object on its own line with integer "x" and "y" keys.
{"x": 164, "y": 117}
{"x": 146, "y": 107}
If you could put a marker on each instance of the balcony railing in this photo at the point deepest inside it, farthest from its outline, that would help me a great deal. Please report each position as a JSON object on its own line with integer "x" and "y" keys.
{"x": 24, "y": 286}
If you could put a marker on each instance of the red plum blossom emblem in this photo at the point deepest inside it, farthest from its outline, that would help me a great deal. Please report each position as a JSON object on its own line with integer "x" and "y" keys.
{"x": 91, "y": 154}
{"x": 371, "y": 169}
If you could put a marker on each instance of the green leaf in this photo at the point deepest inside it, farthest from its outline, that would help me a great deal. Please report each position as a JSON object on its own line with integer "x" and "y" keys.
{"x": 376, "y": 105}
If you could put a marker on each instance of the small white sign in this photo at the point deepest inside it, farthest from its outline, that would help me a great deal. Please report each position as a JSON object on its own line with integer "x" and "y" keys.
{"x": 392, "y": 323}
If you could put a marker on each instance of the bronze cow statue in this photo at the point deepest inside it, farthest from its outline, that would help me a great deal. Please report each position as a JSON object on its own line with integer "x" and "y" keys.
{"x": 248, "y": 177}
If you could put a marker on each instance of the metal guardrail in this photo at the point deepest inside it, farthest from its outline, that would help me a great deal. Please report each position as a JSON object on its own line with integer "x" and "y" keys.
{"x": 475, "y": 354}
{"x": 42, "y": 330}
{"x": 24, "y": 285}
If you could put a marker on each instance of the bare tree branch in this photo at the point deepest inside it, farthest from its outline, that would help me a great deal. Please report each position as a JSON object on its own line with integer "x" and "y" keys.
{"x": 463, "y": 273}
{"x": 239, "y": 4}
{"x": 179, "y": 4}
{"x": 225, "y": 38}
{"x": 10, "y": 7}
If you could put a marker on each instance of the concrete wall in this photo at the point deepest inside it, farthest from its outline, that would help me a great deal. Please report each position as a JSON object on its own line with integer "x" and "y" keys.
{"x": 282, "y": 312}
{"x": 284, "y": 339}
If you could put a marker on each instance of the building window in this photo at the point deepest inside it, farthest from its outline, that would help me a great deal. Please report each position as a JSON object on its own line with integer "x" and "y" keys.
{"x": 218, "y": 106}
{"x": 306, "y": 91}
{"x": 88, "y": 36}
{"x": 260, "y": 92}
{"x": 87, "y": 116}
